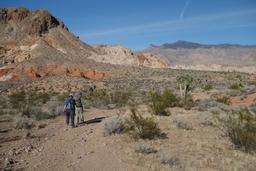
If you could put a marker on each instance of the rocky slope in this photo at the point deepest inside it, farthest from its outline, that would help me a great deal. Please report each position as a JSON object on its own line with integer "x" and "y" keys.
{"x": 35, "y": 39}
{"x": 195, "y": 56}
{"x": 124, "y": 56}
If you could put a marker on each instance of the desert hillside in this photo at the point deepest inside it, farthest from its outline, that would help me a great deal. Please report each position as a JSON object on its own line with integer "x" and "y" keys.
{"x": 35, "y": 44}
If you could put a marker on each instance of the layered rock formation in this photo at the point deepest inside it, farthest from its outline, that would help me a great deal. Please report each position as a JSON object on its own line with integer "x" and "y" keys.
{"x": 119, "y": 55}
{"x": 31, "y": 41}
{"x": 34, "y": 72}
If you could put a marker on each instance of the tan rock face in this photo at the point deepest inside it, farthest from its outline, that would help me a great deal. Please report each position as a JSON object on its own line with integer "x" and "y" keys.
{"x": 151, "y": 61}
{"x": 124, "y": 56}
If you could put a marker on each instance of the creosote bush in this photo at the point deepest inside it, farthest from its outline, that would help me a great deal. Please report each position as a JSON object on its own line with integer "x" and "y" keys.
{"x": 208, "y": 87}
{"x": 18, "y": 100}
{"x": 240, "y": 126}
{"x": 161, "y": 101}
{"x": 236, "y": 86}
{"x": 142, "y": 127}
{"x": 102, "y": 97}
{"x": 37, "y": 113}
{"x": 22, "y": 100}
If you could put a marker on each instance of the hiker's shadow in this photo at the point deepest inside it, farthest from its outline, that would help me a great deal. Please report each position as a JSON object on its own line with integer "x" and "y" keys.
{"x": 93, "y": 121}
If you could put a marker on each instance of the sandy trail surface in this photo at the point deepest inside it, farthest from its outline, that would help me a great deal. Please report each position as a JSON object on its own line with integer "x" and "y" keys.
{"x": 57, "y": 148}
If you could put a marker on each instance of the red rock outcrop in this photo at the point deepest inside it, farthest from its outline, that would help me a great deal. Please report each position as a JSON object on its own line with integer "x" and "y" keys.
{"x": 36, "y": 72}
{"x": 243, "y": 100}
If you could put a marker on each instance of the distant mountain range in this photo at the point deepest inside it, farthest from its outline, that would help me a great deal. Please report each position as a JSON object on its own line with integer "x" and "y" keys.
{"x": 192, "y": 45}
{"x": 196, "y": 56}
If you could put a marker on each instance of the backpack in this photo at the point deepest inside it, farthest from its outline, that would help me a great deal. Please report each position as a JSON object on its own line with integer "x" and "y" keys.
{"x": 70, "y": 104}
{"x": 66, "y": 103}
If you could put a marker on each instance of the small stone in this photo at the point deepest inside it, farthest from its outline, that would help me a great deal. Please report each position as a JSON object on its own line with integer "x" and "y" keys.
{"x": 27, "y": 135}
{"x": 28, "y": 149}
{"x": 11, "y": 153}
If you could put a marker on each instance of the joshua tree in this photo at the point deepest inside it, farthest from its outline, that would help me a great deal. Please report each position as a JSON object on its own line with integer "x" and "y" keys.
{"x": 185, "y": 82}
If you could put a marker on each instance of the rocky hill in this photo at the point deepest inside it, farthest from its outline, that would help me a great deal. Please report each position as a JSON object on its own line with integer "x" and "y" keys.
{"x": 119, "y": 55}
{"x": 195, "y": 56}
{"x": 36, "y": 44}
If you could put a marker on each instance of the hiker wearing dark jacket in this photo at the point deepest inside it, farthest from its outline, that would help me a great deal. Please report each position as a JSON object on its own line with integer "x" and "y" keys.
{"x": 79, "y": 109}
{"x": 69, "y": 109}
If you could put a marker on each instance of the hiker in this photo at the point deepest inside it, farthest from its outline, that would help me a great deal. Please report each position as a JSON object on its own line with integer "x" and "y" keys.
{"x": 69, "y": 109}
{"x": 79, "y": 109}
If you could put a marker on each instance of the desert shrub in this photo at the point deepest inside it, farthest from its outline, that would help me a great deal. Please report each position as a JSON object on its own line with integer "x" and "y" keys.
{"x": 206, "y": 104}
{"x": 253, "y": 108}
{"x": 224, "y": 100}
{"x": 144, "y": 149}
{"x": 240, "y": 126}
{"x": 120, "y": 98}
{"x": 62, "y": 97}
{"x": 183, "y": 125}
{"x": 23, "y": 100}
{"x": 166, "y": 158}
{"x": 3, "y": 102}
{"x": 35, "y": 98}
{"x": 208, "y": 87}
{"x": 161, "y": 101}
{"x": 22, "y": 122}
{"x": 236, "y": 86}
{"x": 54, "y": 107}
{"x": 142, "y": 127}
{"x": 99, "y": 98}
{"x": 233, "y": 93}
{"x": 18, "y": 100}
{"x": 113, "y": 125}
{"x": 187, "y": 103}
{"x": 37, "y": 114}
{"x": 252, "y": 82}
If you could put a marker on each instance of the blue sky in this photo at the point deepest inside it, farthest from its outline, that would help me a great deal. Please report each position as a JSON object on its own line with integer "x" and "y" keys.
{"x": 138, "y": 23}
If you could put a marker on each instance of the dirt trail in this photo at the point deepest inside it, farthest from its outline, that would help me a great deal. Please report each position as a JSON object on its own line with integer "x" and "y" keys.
{"x": 81, "y": 148}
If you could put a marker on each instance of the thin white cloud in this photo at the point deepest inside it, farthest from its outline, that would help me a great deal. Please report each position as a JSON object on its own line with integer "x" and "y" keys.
{"x": 184, "y": 9}
{"x": 171, "y": 25}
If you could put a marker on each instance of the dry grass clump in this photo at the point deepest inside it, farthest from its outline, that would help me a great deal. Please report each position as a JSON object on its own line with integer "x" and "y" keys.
{"x": 168, "y": 159}
{"x": 224, "y": 99}
{"x": 183, "y": 125}
{"x": 144, "y": 149}
{"x": 113, "y": 125}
